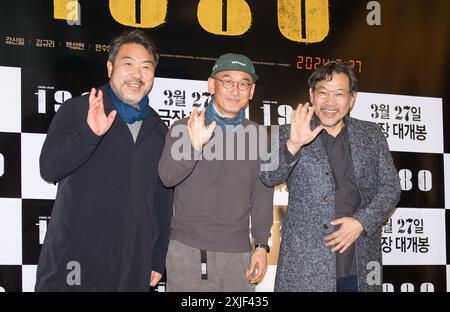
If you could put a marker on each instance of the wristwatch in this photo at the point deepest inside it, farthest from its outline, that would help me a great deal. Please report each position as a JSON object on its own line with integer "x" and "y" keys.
{"x": 265, "y": 246}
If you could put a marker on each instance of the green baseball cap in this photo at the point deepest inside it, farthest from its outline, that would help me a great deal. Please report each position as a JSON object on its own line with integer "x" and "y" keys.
{"x": 232, "y": 61}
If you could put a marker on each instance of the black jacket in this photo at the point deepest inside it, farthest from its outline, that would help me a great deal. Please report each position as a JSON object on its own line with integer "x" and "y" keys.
{"x": 112, "y": 213}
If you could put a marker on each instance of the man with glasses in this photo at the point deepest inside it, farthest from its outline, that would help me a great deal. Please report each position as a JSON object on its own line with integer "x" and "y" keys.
{"x": 222, "y": 211}
{"x": 342, "y": 186}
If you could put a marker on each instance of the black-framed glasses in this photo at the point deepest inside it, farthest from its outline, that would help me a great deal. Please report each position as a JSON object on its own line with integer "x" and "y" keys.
{"x": 324, "y": 93}
{"x": 229, "y": 84}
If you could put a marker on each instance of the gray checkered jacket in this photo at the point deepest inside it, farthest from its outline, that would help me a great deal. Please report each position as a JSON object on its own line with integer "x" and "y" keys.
{"x": 305, "y": 264}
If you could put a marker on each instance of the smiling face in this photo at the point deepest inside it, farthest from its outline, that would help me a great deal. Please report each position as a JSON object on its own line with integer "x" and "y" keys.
{"x": 333, "y": 101}
{"x": 229, "y": 102}
{"x": 132, "y": 74}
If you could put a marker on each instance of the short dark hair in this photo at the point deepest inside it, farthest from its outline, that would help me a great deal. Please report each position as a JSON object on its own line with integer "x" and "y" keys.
{"x": 326, "y": 72}
{"x": 133, "y": 36}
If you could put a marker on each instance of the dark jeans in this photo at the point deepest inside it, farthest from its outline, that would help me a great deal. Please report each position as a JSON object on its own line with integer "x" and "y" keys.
{"x": 347, "y": 284}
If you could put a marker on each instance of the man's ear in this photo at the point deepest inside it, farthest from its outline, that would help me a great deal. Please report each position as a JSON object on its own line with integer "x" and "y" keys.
{"x": 252, "y": 91}
{"x": 352, "y": 100}
{"x": 211, "y": 85}
{"x": 311, "y": 95}
{"x": 109, "y": 66}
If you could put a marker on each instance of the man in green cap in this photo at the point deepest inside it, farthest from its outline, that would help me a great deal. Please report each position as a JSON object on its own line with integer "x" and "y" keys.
{"x": 222, "y": 211}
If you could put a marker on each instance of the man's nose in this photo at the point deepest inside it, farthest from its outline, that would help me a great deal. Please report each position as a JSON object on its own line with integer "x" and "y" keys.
{"x": 136, "y": 72}
{"x": 235, "y": 89}
{"x": 331, "y": 97}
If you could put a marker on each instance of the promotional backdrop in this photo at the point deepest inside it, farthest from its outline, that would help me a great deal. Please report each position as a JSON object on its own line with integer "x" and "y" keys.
{"x": 51, "y": 51}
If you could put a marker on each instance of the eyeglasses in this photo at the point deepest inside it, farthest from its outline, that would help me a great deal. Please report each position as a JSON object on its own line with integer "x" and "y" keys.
{"x": 229, "y": 84}
{"x": 324, "y": 93}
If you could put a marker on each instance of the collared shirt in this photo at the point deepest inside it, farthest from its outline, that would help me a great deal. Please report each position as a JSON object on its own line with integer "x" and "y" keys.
{"x": 347, "y": 198}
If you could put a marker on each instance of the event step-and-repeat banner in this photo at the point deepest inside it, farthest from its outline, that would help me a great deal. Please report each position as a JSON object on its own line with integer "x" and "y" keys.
{"x": 51, "y": 51}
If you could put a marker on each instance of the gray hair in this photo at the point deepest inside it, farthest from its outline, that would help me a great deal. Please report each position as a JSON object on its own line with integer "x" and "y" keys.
{"x": 327, "y": 71}
{"x": 133, "y": 36}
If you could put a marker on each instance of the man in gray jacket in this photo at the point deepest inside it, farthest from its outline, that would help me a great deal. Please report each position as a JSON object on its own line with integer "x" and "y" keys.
{"x": 342, "y": 186}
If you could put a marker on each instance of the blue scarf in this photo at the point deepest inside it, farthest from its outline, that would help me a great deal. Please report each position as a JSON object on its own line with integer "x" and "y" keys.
{"x": 212, "y": 115}
{"x": 128, "y": 113}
